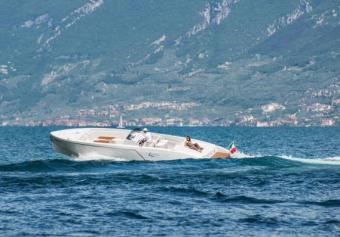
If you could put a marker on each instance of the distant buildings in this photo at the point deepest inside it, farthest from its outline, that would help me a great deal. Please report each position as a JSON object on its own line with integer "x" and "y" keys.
{"x": 327, "y": 122}
{"x": 317, "y": 107}
{"x": 172, "y": 113}
{"x": 160, "y": 105}
{"x": 269, "y": 108}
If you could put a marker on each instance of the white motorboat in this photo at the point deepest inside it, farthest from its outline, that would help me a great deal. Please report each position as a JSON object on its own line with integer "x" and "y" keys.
{"x": 110, "y": 143}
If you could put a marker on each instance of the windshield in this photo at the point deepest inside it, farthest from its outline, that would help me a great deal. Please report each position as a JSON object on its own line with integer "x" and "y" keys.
{"x": 133, "y": 133}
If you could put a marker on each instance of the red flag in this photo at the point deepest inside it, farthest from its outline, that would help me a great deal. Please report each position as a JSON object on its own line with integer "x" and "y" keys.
{"x": 232, "y": 148}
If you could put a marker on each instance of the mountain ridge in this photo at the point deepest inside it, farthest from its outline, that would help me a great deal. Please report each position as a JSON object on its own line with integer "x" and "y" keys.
{"x": 227, "y": 57}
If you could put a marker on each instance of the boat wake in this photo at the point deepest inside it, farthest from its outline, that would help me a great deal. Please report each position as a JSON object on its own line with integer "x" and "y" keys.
{"x": 241, "y": 155}
{"x": 322, "y": 161}
{"x": 97, "y": 163}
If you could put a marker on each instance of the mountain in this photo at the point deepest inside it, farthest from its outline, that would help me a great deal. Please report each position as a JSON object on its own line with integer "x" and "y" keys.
{"x": 217, "y": 61}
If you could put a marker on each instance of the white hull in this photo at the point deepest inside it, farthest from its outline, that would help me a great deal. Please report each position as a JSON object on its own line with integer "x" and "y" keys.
{"x": 82, "y": 143}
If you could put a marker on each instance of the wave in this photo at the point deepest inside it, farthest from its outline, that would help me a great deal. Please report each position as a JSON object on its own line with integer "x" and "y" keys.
{"x": 326, "y": 203}
{"x": 97, "y": 163}
{"x": 56, "y": 165}
{"x": 323, "y": 161}
{"x": 241, "y": 199}
{"x": 220, "y": 197}
{"x": 129, "y": 214}
{"x": 215, "y": 196}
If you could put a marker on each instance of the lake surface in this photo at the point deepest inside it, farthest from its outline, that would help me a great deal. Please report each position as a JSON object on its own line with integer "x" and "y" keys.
{"x": 284, "y": 182}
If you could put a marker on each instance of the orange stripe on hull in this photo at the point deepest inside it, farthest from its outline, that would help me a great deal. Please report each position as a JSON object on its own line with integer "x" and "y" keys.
{"x": 105, "y": 138}
{"x": 221, "y": 155}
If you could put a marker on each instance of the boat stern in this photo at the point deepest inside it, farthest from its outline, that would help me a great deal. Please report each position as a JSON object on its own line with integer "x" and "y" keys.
{"x": 220, "y": 152}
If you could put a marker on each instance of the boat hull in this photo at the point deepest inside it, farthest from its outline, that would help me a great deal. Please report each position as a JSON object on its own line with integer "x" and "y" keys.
{"x": 107, "y": 143}
{"x": 94, "y": 151}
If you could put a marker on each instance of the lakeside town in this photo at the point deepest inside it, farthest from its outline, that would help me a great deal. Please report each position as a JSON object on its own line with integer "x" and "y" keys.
{"x": 269, "y": 115}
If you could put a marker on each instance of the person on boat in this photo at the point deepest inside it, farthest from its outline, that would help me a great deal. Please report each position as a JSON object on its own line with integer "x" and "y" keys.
{"x": 147, "y": 138}
{"x": 147, "y": 135}
{"x": 191, "y": 145}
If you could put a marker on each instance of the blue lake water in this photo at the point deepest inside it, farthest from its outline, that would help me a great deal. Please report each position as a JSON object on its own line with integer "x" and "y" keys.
{"x": 284, "y": 181}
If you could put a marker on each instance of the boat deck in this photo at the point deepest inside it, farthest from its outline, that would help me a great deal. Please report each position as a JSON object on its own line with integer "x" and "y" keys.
{"x": 118, "y": 137}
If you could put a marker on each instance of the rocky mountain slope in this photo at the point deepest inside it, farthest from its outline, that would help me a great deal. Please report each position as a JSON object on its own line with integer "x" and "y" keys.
{"x": 221, "y": 61}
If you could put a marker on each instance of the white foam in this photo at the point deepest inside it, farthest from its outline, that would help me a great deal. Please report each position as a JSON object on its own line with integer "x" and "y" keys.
{"x": 321, "y": 161}
{"x": 95, "y": 156}
{"x": 241, "y": 155}
{"x": 238, "y": 155}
